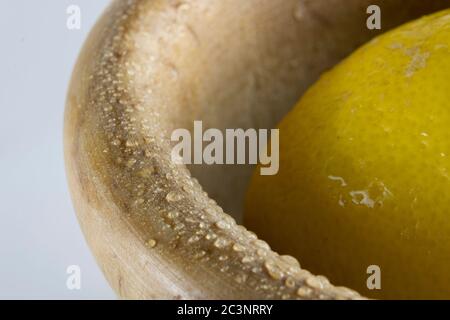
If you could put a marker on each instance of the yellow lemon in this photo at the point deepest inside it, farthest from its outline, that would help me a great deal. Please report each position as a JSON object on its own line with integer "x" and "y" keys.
{"x": 363, "y": 191}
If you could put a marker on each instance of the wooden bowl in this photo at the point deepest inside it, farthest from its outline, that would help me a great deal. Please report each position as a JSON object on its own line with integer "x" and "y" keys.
{"x": 151, "y": 66}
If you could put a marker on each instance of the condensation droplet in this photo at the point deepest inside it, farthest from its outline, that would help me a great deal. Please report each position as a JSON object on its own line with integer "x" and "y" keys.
{"x": 210, "y": 236}
{"x": 343, "y": 292}
{"x": 261, "y": 252}
{"x": 172, "y": 214}
{"x": 224, "y": 269}
{"x": 209, "y": 210}
{"x": 290, "y": 282}
{"x": 314, "y": 282}
{"x": 187, "y": 189}
{"x": 131, "y": 162}
{"x": 178, "y": 226}
{"x": 221, "y": 224}
{"x": 221, "y": 243}
{"x": 174, "y": 196}
{"x": 200, "y": 254}
{"x": 131, "y": 143}
{"x": 290, "y": 260}
{"x": 256, "y": 269}
{"x": 323, "y": 280}
{"x": 261, "y": 244}
{"x": 238, "y": 247}
{"x": 151, "y": 243}
{"x": 190, "y": 220}
{"x": 251, "y": 235}
{"x": 302, "y": 274}
{"x": 273, "y": 270}
{"x": 223, "y": 257}
{"x": 148, "y": 153}
{"x": 247, "y": 259}
{"x": 193, "y": 239}
{"x": 241, "y": 278}
{"x": 304, "y": 292}
{"x": 147, "y": 172}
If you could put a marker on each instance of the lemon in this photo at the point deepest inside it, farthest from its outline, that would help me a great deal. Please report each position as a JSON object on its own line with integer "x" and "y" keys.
{"x": 364, "y": 175}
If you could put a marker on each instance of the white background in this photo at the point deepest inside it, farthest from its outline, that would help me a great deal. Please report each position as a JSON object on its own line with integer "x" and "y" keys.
{"x": 39, "y": 233}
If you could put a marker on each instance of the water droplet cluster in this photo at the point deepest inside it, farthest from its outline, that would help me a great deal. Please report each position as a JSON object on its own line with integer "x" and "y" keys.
{"x": 162, "y": 202}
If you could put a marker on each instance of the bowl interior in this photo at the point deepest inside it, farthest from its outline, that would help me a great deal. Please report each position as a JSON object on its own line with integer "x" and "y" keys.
{"x": 244, "y": 64}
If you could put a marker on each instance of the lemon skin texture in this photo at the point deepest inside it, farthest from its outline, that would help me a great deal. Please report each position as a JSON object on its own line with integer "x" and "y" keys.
{"x": 364, "y": 174}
